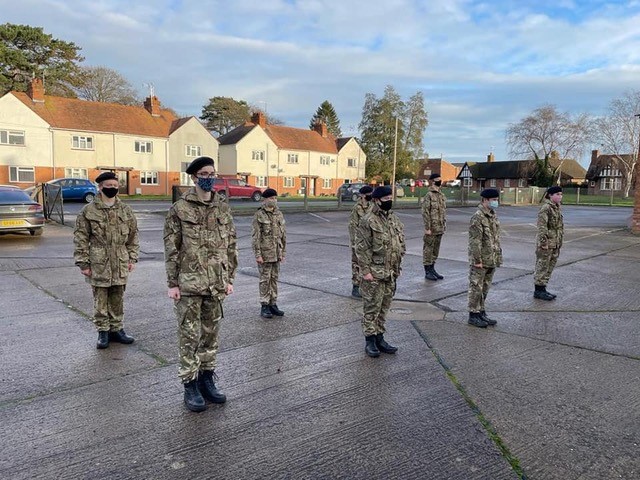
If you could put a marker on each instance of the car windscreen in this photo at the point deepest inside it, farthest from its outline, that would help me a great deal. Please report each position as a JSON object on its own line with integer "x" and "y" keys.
{"x": 14, "y": 196}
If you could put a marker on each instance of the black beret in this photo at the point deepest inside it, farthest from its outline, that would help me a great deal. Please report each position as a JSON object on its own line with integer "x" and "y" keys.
{"x": 490, "y": 193}
{"x": 366, "y": 189}
{"x": 553, "y": 190}
{"x": 198, "y": 163}
{"x": 106, "y": 176}
{"x": 434, "y": 175}
{"x": 382, "y": 191}
{"x": 269, "y": 192}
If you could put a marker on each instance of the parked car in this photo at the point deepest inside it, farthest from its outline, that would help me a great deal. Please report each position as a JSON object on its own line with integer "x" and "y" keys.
{"x": 73, "y": 189}
{"x": 350, "y": 191}
{"x": 235, "y": 188}
{"x": 18, "y": 212}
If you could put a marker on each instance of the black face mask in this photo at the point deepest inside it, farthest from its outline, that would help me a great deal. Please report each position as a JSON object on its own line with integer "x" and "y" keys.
{"x": 110, "y": 192}
{"x": 367, "y": 198}
{"x": 437, "y": 183}
{"x": 386, "y": 206}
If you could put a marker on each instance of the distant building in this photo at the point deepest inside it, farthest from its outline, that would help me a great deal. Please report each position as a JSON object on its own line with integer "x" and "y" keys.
{"x": 429, "y": 166}
{"x": 604, "y": 174}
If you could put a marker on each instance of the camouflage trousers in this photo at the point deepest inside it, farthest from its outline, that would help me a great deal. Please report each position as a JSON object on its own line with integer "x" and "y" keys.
{"x": 355, "y": 268}
{"x": 198, "y": 326}
{"x": 108, "y": 307}
{"x": 545, "y": 263}
{"x": 269, "y": 272}
{"x": 376, "y": 296}
{"x": 431, "y": 249}
{"x": 479, "y": 284}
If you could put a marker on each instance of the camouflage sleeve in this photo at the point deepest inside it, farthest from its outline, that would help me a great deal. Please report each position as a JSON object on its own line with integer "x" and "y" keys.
{"x": 354, "y": 220}
{"x": 172, "y": 246}
{"x": 426, "y": 212}
{"x": 81, "y": 236}
{"x": 475, "y": 240}
{"x": 284, "y": 237}
{"x": 232, "y": 249}
{"x": 133, "y": 242}
{"x": 255, "y": 236}
{"x": 543, "y": 227}
{"x": 363, "y": 245}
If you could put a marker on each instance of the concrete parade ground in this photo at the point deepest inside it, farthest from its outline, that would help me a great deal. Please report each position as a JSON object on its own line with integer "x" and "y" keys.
{"x": 551, "y": 392}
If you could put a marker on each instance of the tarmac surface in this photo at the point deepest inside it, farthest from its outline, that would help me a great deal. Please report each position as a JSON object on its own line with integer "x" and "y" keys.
{"x": 551, "y": 392}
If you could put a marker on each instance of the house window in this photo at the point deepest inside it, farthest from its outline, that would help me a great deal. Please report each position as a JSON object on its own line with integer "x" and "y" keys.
{"x": 72, "y": 172}
{"x": 351, "y": 162}
{"x": 261, "y": 181}
{"x": 192, "y": 150}
{"x": 22, "y": 174}
{"x": 610, "y": 172}
{"x": 492, "y": 182}
{"x": 610, "y": 183}
{"x": 522, "y": 182}
{"x": 292, "y": 158}
{"x": 467, "y": 182}
{"x": 326, "y": 183}
{"x": 325, "y": 160}
{"x": 11, "y": 137}
{"x": 82, "y": 143}
{"x": 507, "y": 183}
{"x": 288, "y": 181}
{"x": 142, "y": 147}
{"x": 258, "y": 155}
{"x": 149, "y": 178}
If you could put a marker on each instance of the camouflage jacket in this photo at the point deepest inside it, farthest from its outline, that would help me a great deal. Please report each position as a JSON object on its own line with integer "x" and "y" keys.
{"x": 200, "y": 252}
{"x": 359, "y": 210}
{"x": 106, "y": 241}
{"x": 268, "y": 235}
{"x": 484, "y": 238}
{"x": 550, "y": 226}
{"x": 434, "y": 209}
{"x": 380, "y": 244}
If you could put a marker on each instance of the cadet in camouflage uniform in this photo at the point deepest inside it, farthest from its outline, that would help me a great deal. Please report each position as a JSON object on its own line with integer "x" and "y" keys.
{"x": 269, "y": 241}
{"x": 379, "y": 248}
{"x": 548, "y": 241}
{"x": 201, "y": 260}
{"x": 485, "y": 255}
{"x": 434, "y": 209}
{"x": 106, "y": 250}
{"x": 360, "y": 209}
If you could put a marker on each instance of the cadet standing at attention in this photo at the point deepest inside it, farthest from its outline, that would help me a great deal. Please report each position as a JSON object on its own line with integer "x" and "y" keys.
{"x": 434, "y": 210}
{"x": 269, "y": 241}
{"x": 548, "y": 241}
{"x": 380, "y": 247}
{"x": 485, "y": 255}
{"x": 106, "y": 250}
{"x": 201, "y": 260}
{"x": 359, "y": 210}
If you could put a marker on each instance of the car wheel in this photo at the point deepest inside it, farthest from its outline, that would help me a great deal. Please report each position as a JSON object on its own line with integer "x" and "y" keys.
{"x": 36, "y": 232}
{"x": 256, "y": 197}
{"x": 88, "y": 197}
{"x": 223, "y": 195}
{"x": 355, "y": 197}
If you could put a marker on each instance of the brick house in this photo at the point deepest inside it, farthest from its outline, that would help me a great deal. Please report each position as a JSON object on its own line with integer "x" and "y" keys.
{"x": 428, "y": 166}
{"x": 604, "y": 174}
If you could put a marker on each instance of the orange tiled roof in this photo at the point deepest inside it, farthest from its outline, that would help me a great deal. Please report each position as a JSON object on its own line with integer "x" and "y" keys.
{"x": 290, "y": 138}
{"x": 74, "y": 114}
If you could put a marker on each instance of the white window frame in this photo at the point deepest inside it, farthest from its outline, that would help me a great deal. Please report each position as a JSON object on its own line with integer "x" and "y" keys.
{"x": 352, "y": 162}
{"x": 142, "y": 146}
{"x": 76, "y": 172}
{"x": 258, "y": 155}
{"x": 325, "y": 160}
{"x": 81, "y": 142}
{"x": 288, "y": 182}
{"x": 192, "y": 150}
{"x": 522, "y": 182}
{"x": 467, "y": 182}
{"x": 17, "y": 174}
{"x": 507, "y": 183}
{"x": 492, "y": 182}
{"x": 326, "y": 183}
{"x": 292, "y": 158}
{"x": 8, "y": 137}
{"x": 606, "y": 183}
{"x": 149, "y": 178}
{"x": 261, "y": 182}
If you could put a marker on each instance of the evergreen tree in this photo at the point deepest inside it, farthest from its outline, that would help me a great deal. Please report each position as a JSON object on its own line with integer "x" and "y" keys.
{"x": 223, "y": 114}
{"x": 327, "y": 114}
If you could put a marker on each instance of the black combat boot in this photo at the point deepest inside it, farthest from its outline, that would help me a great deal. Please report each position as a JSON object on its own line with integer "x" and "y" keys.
{"x": 490, "y": 321}
{"x": 121, "y": 337}
{"x": 275, "y": 310}
{"x": 476, "y": 320}
{"x": 371, "y": 348}
{"x": 383, "y": 346}
{"x": 192, "y": 397}
{"x": 265, "y": 312}
{"x": 103, "y": 340}
{"x": 207, "y": 387}
{"x": 429, "y": 273}
{"x": 355, "y": 291}
{"x": 433, "y": 270}
{"x": 542, "y": 294}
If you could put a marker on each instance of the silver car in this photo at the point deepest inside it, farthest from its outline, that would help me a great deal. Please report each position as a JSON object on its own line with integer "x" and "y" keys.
{"x": 19, "y": 213}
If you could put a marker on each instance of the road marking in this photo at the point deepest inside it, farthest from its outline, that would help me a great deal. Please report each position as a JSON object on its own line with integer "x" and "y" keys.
{"x": 318, "y": 216}
{"x": 594, "y": 235}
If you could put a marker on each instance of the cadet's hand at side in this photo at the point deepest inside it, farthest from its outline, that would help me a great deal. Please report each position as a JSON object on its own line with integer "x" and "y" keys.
{"x": 368, "y": 277}
{"x": 229, "y": 289}
{"x": 477, "y": 265}
{"x": 86, "y": 272}
{"x": 174, "y": 292}
{"x": 427, "y": 232}
{"x": 132, "y": 266}
{"x": 260, "y": 260}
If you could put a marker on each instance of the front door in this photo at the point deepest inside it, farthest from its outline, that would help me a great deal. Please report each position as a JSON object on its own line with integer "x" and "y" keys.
{"x": 123, "y": 180}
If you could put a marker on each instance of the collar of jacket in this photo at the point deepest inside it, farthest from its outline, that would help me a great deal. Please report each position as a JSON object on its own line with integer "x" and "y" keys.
{"x": 556, "y": 205}
{"x": 434, "y": 188}
{"x": 100, "y": 203}
{"x": 486, "y": 210}
{"x": 192, "y": 196}
{"x": 378, "y": 211}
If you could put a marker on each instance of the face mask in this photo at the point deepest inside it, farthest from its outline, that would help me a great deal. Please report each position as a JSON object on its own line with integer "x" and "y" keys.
{"x": 205, "y": 184}
{"x": 438, "y": 183}
{"x": 110, "y": 192}
{"x": 367, "y": 198}
{"x": 493, "y": 203}
{"x": 270, "y": 203}
{"x": 386, "y": 206}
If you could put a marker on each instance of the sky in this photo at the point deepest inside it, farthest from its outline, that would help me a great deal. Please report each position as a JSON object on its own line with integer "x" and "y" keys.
{"x": 480, "y": 65}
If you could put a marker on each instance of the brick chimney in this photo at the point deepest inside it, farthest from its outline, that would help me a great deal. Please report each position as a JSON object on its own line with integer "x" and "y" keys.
{"x": 152, "y": 104}
{"x": 259, "y": 118}
{"x": 490, "y": 157}
{"x": 321, "y": 128}
{"x": 35, "y": 90}
{"x": 594, "y": 155}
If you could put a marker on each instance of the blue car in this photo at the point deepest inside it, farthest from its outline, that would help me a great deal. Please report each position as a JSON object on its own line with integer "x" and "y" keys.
{"x": 74, "y": 189}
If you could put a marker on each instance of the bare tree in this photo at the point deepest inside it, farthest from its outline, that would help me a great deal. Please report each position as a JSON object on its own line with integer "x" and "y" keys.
{"x": 546, "y": 131}
{"x": 102, "y": 84}
{"x": 619, "y": 134}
